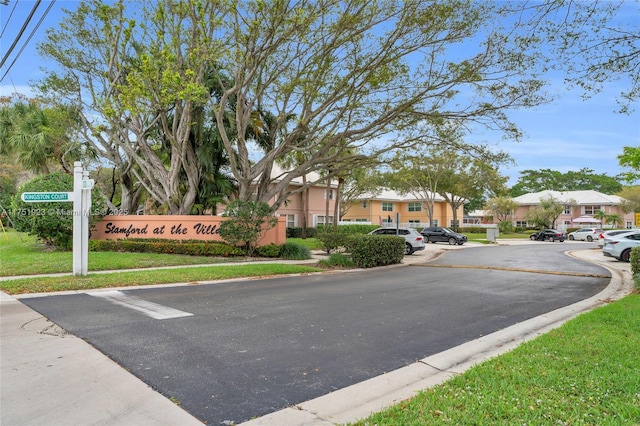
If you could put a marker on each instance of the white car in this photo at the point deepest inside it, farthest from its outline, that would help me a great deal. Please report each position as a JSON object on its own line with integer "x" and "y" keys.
{"x": 414, "y": 240}
{"x": 610, "y": 234}
{"x": 585, "y": 234}
{"x": 620, "y": 245}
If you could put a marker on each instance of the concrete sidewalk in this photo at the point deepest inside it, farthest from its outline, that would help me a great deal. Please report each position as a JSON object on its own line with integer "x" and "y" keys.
{"x": 48, "y": 377}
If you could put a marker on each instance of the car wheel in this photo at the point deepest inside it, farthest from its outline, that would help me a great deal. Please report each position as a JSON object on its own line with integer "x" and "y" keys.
{"x": 532, "y": 237}
{"x": 452, "y": 241}
{"x": 625, "y": 255}
{"x": 408, "y": 250}
{"x": 571, "y": 237}
{"x": 426, "y": 239}
{"x": 589, "y": 238}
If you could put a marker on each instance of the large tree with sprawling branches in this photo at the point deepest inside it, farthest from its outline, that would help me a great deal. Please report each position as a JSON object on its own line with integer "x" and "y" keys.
{"x": 359, "y": 78}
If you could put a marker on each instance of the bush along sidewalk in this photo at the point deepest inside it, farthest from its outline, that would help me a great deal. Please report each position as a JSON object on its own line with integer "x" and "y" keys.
{"x": 194, "y": 248}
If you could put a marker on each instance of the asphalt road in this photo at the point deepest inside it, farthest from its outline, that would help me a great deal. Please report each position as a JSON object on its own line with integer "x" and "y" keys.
{"x": 251, "y": 347}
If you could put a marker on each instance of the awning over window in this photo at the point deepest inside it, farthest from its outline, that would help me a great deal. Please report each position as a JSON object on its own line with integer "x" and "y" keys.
{"x": 585, "y": 219}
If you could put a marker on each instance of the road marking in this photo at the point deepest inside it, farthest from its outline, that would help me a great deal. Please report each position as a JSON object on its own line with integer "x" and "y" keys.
{"x": 151, "y": 309}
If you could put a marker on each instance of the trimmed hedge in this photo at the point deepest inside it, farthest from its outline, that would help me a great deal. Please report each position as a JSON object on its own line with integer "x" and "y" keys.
{"x": 330, "y": 240}
{"x": 296, "y": 232}
{"x": 270, "y": 250}
{"x": 368, "y": 251}
{"x": 192, "y": 248}
{"x": 357, "y": 229}
{"x": 634, "y": 260}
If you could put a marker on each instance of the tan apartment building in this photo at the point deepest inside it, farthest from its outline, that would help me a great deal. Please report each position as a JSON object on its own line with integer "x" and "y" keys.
{"x": 389, "y": 207}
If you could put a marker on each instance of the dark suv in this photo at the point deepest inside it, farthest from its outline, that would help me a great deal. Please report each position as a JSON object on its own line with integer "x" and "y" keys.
{"x": 433, "y": 234}
{"x": 548, "y": 235}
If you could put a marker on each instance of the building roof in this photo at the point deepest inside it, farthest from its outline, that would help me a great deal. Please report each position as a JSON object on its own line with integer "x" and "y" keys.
{"x": 388, "y": 195}
{"x": 586, "y": 197}
{"x": 277, "y": 172}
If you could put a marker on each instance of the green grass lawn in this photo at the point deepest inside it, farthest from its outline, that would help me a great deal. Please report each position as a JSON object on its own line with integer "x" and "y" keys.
{"x": 135, "y": 278}
{"x": 23, "y": 255}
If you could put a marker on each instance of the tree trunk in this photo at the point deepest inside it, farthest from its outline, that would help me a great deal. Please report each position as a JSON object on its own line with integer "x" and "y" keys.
{"x": 336, "y": 205}
{"x": 305, "y": 207}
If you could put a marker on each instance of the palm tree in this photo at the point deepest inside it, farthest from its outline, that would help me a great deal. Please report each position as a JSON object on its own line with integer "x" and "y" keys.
{"x": 613, "y": 219}
{"x": 601, "y": 216}
{"x": 40, "y": 138}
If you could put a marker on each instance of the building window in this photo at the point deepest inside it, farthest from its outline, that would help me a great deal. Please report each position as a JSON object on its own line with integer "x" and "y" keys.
{"x": 387, "y": 207}
{"x": 591, "y": 210}
{"x": 362, "y": 220}
{"x": 292, "y": 221}
{"x": 320, "y": 220}
{"x": 415, "y": 207}
{"x": 434, "y": 222}
{"x": 629, "y": 225}
{"x": 364, "y": 204}
{"x": 328, "y": 193}
{"x": 567, "y": 210}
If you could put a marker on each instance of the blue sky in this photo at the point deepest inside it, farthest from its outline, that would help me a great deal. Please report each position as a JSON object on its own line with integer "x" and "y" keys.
{"x": 565, "y": 135}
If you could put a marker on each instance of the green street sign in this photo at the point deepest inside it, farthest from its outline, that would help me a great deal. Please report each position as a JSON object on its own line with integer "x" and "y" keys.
{"x": 44, "y": 197}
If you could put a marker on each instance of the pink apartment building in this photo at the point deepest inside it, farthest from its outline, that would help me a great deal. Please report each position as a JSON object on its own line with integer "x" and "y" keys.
{"x": 579, "y": 211}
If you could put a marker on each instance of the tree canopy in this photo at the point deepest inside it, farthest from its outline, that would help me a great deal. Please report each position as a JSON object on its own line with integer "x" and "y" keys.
{"x": 595, "y": 43}
{"x": 359, "y": 78}
{"x": 188, "y": 100}
{"x": 547, "y": 179}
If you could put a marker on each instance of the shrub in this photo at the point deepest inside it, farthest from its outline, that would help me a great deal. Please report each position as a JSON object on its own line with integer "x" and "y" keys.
{"x": 337, "y": 260}
{"x": 51, "y": 222}
{"x": 473, "y": 230}
{"x": 357, "y": 229}
{"x": 505, "y": 227}
{"x": 192, "y": 248}
{"x": 270, "y": 250}
{"x": 296, "y": 232}
{"x": 368, "y": 251}
{"x": 293, "y": 251}
{"x": 331, "y": 240}
{"x": 249, "y": 219}
{"x": 634, "y": 261}
{"x": 7, "y": 192}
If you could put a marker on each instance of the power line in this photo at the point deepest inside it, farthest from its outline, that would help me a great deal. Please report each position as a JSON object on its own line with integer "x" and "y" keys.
{"x": 24, "y": 27}
{"x": 15, "y": 4}
{"x": 46, "y": 12}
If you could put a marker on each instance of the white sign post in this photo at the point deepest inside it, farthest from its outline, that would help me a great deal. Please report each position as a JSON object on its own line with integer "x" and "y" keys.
{"x": 81, "y": 198}
{"x": 81, "y": 211}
